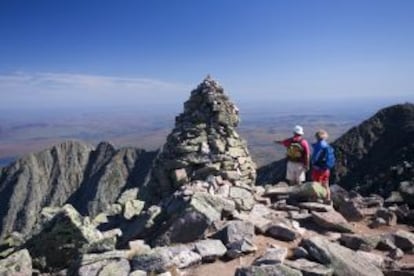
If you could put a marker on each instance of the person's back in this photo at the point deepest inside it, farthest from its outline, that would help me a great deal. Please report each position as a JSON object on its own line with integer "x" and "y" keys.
{"x": 297, "y": 155}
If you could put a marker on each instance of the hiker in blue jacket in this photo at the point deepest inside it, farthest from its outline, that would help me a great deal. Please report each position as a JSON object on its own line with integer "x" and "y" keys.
{"x": 323, "y": 159}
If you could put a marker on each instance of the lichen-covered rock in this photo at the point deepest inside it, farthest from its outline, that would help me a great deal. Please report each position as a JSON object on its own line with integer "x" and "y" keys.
{"x": 203, "y": 145}
{"x": 161, "y": 259}
{"x": 62, "y": 239}
{"x": 17, "y": 264}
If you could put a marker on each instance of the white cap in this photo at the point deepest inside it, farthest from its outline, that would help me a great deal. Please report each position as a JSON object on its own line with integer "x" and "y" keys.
{"x": 298, "y": 130}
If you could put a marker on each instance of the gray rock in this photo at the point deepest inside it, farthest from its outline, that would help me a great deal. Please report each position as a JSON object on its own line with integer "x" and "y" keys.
{"x": 377, "y": 222}
{"x": 351, "y": 211}
{"x": 344, "y": 261}
{"x": 272, "y": 256}
{"x": 236, "y": 230}
{"x": 179, "y": 177}
{"x": 300, "y": 252}
{"x": 191, "y": 221}
{"x": 406, "y": 190}
{"x": 118, "y": 268}
{"x": 270, "y": 270}
{"x": 243, "y": 198}
{"x": 209, "y": 250}
{"x": 16, "y": 264}
{"x": 161, "y": 259}
{"x": 404, "y": 240}
{"x": 282, "y": 231}
{"x": 396, "y": 254}
{"x": 139, "y": 246}
{"x": 133, "y": 208}
{"x": 389, "y": 216}
{"x": 127, "y": 195}
{"x": 314, "y": 206}
{"x": 138, "y": 273}
{"x": 258, "y": 217}
{"x": 238, "y": 238}
{"x": 386, "y": 242}
{"x": 91, "y": 269}
{"x": 373, "y": 258}
{"x": 309, "y": 268}
{"x": 332, "y": 220}
{"x": 153, "y": 262}
{"x": 360, "y": 242}
{"x": 61, "y": 240}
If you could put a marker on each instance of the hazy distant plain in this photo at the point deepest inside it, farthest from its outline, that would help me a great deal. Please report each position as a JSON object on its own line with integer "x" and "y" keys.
{"x": 31, "y": 131}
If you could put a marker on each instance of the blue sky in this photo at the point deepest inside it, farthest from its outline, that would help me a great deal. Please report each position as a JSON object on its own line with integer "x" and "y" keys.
{"x": 140, "y": 53}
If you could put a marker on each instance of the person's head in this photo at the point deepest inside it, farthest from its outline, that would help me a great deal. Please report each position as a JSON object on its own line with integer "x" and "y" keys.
{"x": 321, "y": 135}
{"x": 298, "y": 130}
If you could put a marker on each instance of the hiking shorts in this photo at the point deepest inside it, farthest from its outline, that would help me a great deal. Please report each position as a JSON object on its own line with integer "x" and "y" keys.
{"x": 295, "y": 171}
{"x": 321, "y": 176}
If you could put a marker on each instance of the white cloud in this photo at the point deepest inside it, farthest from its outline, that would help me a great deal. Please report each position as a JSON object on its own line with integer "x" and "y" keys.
{"x": 62, "y": 89}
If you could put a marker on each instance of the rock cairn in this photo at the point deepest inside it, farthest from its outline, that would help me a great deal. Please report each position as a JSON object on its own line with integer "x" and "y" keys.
{"x": 204, "y": 147}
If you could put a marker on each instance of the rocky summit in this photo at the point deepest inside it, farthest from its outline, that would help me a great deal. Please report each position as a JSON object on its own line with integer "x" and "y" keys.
{"x": 193, "y": 208}
{"x": 204, "y": 146}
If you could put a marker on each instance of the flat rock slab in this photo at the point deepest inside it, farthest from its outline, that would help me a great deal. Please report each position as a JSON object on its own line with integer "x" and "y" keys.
{"x": 315, "y": 206}
{"x": 343, "y": 260}
{"x": 270, "y": 270}
{"x": 332, "y": 220}
{"x": 310, "y": 268}
{"x": 163, "y": 258}
{"x": 272, "y": 256}
{"x": 360, "y": 242}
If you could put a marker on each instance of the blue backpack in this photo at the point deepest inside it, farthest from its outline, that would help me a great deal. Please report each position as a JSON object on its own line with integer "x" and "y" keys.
{"x": 326, "y": 158}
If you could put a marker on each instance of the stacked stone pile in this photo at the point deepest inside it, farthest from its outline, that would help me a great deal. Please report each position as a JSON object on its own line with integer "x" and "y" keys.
{"x": 204, "y": 146}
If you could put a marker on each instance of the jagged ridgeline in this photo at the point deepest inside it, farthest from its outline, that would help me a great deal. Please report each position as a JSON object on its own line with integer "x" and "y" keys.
{"x": 204, "y": 145}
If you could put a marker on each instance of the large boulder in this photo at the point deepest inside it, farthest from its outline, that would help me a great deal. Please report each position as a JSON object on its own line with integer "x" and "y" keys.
{"x": 62, "y": 239}
{"x": 344, "y": 261}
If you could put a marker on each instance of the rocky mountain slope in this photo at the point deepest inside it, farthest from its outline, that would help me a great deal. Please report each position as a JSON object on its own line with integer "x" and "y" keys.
{"x": 379, "y": 153}
{"x": 72, "y": 172}
{"x": 189, "y": 210}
